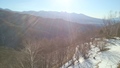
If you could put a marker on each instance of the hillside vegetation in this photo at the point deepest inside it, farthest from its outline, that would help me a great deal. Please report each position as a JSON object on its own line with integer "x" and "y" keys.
{"x": 30, "y": 41}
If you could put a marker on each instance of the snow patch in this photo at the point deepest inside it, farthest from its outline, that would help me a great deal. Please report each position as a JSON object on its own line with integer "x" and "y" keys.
{"x": 97, "y": 58}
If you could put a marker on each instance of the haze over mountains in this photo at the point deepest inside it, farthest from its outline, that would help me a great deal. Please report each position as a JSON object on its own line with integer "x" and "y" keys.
{"x": 15, "y": 27}
{"x": 73, "y": 17}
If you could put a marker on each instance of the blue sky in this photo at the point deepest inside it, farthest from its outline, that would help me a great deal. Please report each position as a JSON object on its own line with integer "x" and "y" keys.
{"x": 93, "y": 8}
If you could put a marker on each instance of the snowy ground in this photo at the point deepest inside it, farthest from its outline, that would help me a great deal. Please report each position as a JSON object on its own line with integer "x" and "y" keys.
{"x": 109, "y": 58}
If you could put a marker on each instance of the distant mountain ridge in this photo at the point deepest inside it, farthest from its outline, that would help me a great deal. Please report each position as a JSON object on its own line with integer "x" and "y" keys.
{"x": 73, "y": 17}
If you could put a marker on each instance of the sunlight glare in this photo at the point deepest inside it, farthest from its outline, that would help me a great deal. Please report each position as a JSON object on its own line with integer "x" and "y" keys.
{"x": 65, "y": 3}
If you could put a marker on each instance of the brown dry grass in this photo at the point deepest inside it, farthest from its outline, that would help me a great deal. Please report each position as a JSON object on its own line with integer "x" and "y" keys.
{"x": 118, "y": 65}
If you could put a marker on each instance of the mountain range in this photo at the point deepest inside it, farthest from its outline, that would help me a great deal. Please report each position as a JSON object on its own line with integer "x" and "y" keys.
{"x": 16, "y": 26}
{"x": 73, "y": 17}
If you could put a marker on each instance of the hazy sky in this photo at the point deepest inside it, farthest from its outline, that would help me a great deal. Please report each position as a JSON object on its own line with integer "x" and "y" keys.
{"x": 94, "y": 8}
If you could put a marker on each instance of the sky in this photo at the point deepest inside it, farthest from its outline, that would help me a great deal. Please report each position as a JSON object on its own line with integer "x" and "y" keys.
{"x": 93, "y": 8}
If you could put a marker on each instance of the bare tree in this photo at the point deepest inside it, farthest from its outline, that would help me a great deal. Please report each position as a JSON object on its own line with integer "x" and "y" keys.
{"x": 29, "y": 55}
{"x": 111, "y": 25}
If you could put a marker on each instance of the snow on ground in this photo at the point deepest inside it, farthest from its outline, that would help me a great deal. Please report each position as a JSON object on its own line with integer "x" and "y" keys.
{"x": 108, "y": 58}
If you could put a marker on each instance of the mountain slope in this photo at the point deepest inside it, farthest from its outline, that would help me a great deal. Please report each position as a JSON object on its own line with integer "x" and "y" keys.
{"x": 14, "y": 27}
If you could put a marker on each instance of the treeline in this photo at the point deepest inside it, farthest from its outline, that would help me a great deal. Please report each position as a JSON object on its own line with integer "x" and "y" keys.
{"x": 37, "y": 54}
{"x": 45, "y": 52}
{"x": 111, "y": 25}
